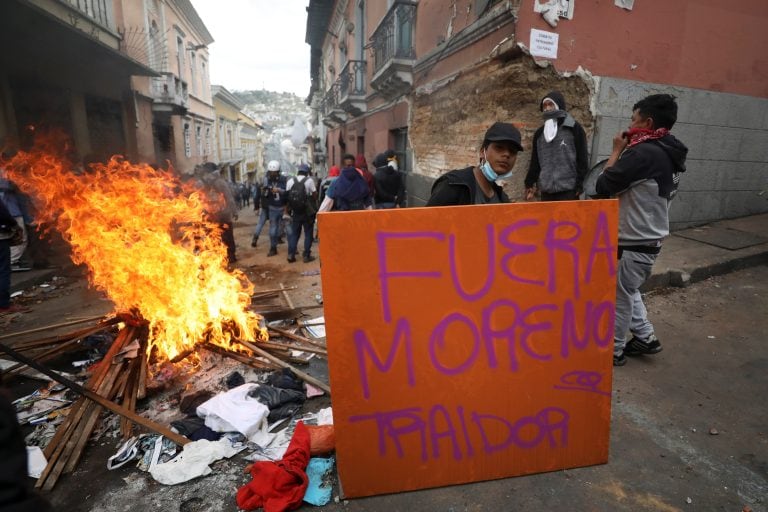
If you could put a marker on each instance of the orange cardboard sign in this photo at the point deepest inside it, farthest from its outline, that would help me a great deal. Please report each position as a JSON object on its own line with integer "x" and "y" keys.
{"x": 468, "y": 343}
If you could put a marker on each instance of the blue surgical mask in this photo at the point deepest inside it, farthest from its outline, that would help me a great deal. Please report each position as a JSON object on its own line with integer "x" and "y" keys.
{"x": 489, "y": 173}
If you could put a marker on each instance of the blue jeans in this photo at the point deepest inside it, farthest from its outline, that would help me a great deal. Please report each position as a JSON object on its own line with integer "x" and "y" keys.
{"x": 275, "y": 217}
{"x": 5, "y": 273}
{"x": 297, "y": 223}
{"x": 263, "y": 216}
{"x": 385, "y": 206}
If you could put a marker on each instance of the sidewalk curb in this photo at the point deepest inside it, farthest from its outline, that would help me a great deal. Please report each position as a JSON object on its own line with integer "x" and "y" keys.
{"x": 681, "y": 278}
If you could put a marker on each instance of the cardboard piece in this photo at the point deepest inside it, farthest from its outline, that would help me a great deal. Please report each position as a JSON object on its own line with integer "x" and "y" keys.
{"x": 468, "y": 343}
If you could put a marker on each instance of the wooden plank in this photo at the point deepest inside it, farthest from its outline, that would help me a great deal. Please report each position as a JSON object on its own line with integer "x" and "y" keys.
{"x": 55, "y": 326}
{"x": 296, "y": 337}
{"x": 149, "y": 424}
{"x": 303, "y": 376}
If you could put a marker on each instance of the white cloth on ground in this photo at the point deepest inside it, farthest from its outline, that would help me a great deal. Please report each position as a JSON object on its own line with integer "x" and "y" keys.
{"x": 235, "y": 411}
{"x": 193, "y": 461}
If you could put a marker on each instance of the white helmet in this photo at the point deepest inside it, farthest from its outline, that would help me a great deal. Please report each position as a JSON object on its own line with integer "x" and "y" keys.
{"x": 273, "y": 165}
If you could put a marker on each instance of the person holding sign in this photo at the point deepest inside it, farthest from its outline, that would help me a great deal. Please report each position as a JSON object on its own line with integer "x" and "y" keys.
{"x": 643, "y": 172}
{"x": 559, "y": 154}
{"x": 477, "y": 184}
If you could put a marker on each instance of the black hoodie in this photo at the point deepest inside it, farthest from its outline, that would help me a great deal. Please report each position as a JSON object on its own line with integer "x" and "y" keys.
{"x": 645, "y": 179}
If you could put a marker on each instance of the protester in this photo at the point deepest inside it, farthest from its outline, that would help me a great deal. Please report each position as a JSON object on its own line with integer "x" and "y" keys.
{"x": 389, "y": 185}
{"x": 643, "y": 171}
{"x": 16, "y": 494}
{"x": 325, "y": 184}
{"x": 477, "y": 184}
{"x": 9, "y": 230}
{"x": 272, "y": 202}
{"x": 350, "y": 191}
{"x": 18, "y": 205}
{"x": 362, "y": 167}
{"x": 559, "y": 159}
{"x": 302, "y": 205}
{"x": 222, "y": 198}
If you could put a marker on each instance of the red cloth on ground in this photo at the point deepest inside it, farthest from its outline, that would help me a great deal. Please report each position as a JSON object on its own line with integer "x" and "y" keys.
{"x": 279, "y": 486}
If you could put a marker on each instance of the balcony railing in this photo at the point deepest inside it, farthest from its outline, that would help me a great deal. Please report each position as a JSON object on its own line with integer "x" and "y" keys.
{"x": 393, "y": 38}
{"x": 100, "y": 11}
{"x": 170, "y": 89}
{"x": 352, "y": 87}
{"x": 352, "y": 79}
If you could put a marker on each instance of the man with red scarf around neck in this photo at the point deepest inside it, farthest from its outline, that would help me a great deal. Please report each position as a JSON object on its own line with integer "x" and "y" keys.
{"x": 643, "y": 172}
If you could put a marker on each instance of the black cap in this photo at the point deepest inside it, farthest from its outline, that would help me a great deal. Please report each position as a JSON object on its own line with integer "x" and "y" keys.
{"x": 504, "y": 132}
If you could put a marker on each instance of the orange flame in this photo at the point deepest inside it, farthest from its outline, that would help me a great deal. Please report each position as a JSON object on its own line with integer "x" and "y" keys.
{"x": 144, "y": 236}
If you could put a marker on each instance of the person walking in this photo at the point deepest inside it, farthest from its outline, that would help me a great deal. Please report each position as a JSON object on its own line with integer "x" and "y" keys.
{"x": 559, "y": 157}
{"x": 349, "y": 191}
{"x": 389, "y": 185}
{"x": 302, "y": 206}
{"x": 272, "y": 204}
{"x": 643, "y": 172}
{"x": 477, "y": 184}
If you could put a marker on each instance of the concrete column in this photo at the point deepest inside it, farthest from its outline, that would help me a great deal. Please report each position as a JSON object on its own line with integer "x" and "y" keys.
{"x": 80, "y": 123}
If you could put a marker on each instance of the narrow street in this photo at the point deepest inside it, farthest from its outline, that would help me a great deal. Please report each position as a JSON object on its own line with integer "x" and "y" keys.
{"x": 688, "y": 429}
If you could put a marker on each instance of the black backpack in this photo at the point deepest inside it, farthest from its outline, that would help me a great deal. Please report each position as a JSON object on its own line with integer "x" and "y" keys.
{"x": 297, "y": 195}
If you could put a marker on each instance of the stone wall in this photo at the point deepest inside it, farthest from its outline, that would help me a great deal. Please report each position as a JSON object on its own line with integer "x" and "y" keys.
{"x": 448, "y": 119}
{"x": 727, "y": 139}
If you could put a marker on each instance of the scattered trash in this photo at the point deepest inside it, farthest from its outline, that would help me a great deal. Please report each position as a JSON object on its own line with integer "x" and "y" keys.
{"x": 319, "y": 472}
{"x": 17, "y": 294}
{"x": 125, "y": 453}
{"x": 688, "y": 500}
{"x": 322, "y": 439}
{"x": 279, "y": 486}
{"x": 193, "y": 461}
{"x": 36, "y": 461}
{"x": 713, "y": 431}
{"x": 311, "y": 272}
{"x": 236, "y": 411}
{"x": 711, "y": 337}
{"x": 234, "y": 380}
{"x": 319, "y": 298}
{"x": 313, "y": 391}
{"x": 316, "y": 327}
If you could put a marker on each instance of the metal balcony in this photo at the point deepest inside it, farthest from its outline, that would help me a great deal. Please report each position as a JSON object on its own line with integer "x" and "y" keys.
{"x": 392, "y": 45}
{"x": 334, "y": 114}
{"x": 170, "y": 93}
{"x": 352, "y": 88}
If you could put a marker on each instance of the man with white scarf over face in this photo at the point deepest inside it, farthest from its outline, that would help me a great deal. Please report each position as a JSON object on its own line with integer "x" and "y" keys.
{"x": 559, "y": 160}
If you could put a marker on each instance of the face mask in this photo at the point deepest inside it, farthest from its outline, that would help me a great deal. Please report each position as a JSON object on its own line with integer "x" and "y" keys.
{"x": 489, "y": 173}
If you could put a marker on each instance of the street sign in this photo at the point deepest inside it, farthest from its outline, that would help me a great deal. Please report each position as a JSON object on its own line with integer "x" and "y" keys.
{"x": 468, "y": 343}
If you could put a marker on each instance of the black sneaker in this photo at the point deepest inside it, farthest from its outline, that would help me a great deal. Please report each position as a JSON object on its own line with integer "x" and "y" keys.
{"x": 619, "y": 360}
{"x": 254, "y": 241}
{"x": 638, "y": 347}
{"x": 272, "y": 251}
{"x": 309, "y": 259}
{"x": 291, "y": 259}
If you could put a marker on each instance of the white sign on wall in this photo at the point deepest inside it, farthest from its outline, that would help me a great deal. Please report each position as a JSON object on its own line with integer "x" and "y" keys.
{"x": 564, "y": 8}
{"x": 543, "y": 44}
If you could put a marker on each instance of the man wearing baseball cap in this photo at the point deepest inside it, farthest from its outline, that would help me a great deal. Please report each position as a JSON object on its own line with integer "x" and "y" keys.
{"x": 477, "y": 184}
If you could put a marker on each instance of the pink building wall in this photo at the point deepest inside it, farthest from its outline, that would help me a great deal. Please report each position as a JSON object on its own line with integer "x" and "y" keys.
{"x": 718, "y": 45}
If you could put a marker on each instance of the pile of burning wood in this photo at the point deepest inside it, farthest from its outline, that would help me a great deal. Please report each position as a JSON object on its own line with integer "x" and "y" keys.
{"x": 122, "y": 376}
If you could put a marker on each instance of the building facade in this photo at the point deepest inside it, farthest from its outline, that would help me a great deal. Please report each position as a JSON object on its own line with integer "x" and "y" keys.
{"x": 65, "y": 68}
{"x": 427, "y": 78}
{"x": 174, "y": 119}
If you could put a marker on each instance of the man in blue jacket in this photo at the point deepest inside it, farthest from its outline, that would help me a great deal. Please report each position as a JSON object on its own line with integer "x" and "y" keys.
{"x": 643, "y": 172}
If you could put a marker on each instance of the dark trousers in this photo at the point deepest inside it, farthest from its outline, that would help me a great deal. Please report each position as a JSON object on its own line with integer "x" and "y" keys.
{"x": 5, "y": 273}
{"x": 567, "y": 195}
{"x": 228, "y": 237}
{"x": 307, "y": 223}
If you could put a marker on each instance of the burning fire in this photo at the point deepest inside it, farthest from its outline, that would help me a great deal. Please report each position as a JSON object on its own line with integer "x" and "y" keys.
{"x": 144, "y": 236}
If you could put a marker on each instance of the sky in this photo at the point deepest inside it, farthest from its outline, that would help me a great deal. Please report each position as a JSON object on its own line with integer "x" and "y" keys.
{"x": 258, "y": 44}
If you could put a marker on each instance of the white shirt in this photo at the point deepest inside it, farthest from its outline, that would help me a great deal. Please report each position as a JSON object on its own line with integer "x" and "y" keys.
{"x": 309, "y": 184}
